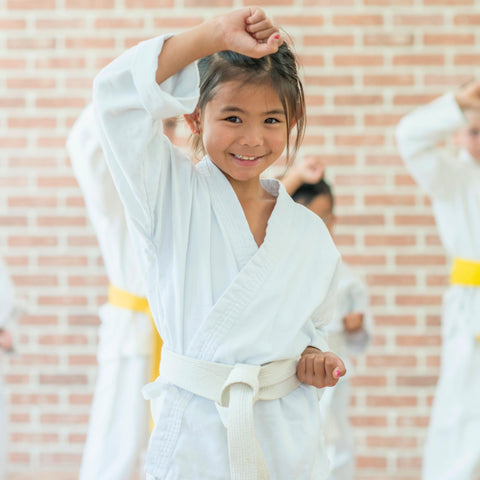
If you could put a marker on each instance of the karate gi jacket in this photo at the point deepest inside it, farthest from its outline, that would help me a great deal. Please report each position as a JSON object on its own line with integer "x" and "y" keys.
{"x": 453, "y": 184}
{"x": 215, "y": 295}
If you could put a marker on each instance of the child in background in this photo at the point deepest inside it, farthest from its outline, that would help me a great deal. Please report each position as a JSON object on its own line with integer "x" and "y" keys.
{"x": 8, "y": 311}
{"x": 452, "y": 450}
{"x": 349, "y": 332}
{"x": 127, "y": 357}
{"x": 226, "y": 258}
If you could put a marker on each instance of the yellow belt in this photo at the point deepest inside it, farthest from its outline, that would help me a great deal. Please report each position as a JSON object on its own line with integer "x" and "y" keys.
{"x": 123, "y": 299}
{"x": 465, "y": 272}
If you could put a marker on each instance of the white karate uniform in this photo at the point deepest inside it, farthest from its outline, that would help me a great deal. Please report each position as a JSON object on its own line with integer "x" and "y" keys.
{"x": 352, "y": 297}
{"x": 215, "y": 295}
{"x": 7, "y": 312}
{"x": 118, "y": 427}
{"x": 452, "y": 450}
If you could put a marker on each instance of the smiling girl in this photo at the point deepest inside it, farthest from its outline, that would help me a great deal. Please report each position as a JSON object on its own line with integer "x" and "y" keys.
{"x": 229, "y": 259}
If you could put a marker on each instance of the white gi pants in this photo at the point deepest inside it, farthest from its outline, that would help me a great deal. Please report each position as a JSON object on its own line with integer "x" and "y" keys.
{"x": 118, "y": 427}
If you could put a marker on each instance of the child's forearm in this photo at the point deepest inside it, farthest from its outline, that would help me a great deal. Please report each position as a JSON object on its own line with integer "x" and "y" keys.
{"x": 187, "y": 47}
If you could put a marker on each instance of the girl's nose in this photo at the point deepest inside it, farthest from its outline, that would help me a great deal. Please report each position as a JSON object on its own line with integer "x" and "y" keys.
{"x": 251, "y": 136}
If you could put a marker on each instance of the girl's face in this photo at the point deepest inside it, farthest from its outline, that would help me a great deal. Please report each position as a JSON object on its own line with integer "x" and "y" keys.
{"x": 243, "y": 129}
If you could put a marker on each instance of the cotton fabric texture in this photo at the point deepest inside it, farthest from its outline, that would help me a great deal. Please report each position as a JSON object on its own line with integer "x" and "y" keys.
{"x": 214, "y": 294}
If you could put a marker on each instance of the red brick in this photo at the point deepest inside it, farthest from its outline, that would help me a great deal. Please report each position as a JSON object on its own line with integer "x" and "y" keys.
{"x": 358, "y": 60}
{"x": 388, "y": 40}
{"x": 65, "y": 23}
{"x": 470, "y": 19}
{"x": 93, "y": 42}
{"x": 329, "y": 40}
{"x": 399, "y": 80}
{"x": 397, "y": 442}
{"x": 419, "y": 19}
{"x": 419, "y": 60}
{"x": 359, "y": 19}
{"x": 392, "y": 280}
{"x": 358, "y": 100}
{"x": 31, "y": 4}
{"x": 449, "y": 39}
{"x": 329, "y": 81}
{"x": 90, "y": 4}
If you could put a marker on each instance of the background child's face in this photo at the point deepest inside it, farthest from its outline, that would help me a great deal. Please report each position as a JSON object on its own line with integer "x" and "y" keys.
{"x": 469, "y": 136}
{"x": 322, "y": 206}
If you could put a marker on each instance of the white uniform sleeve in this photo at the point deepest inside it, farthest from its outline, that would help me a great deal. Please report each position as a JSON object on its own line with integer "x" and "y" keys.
{"x": 418, "y": 136}
{"x": 357, "y": 342}
{"x": 7, "y": 296}
{"x": 153, "y": 178}
{"x": 92, "y": 173}
{"x": 324, "y": 314}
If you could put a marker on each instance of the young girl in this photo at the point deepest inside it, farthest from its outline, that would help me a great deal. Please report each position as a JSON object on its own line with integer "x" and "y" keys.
{"x": 452, "y": 450}
{"x": 229, "y": 260}
{"x": 350, "y": 330}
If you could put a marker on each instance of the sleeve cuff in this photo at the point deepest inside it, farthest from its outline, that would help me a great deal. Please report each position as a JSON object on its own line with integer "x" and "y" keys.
{"x": 320, "y": 341}
{"x": 175, "y": 96}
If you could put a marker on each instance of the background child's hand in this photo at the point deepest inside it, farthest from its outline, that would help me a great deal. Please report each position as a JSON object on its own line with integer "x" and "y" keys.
{"x": 469, "y": 96}
{"x": 310, "y": 169}
{"x": 320, "y": 369}
{"x": 5, "y": 340}
{"x": 249, "y": 32}
{"x": 353, "y": 321}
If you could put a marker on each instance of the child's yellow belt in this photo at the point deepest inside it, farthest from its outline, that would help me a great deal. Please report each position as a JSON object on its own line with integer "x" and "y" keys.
{"x": 122, "y": 299}
{"x": 465, "y": 273}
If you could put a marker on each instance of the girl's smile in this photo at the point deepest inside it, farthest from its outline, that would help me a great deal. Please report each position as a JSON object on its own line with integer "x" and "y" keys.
{"x": 244, "y": 129}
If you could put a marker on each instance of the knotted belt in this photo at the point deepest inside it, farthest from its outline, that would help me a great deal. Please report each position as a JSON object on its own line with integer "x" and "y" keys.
{"x": 466, "y": 273}
{"x": 123, "y": 299}
{"x": 234, "y": 389}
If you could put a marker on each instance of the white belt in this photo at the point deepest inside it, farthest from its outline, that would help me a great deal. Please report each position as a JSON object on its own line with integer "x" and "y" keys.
{"x": 234, "y": 389}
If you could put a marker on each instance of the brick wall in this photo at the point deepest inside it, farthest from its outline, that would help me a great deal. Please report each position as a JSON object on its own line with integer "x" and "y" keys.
{"x": 366, "y": 63}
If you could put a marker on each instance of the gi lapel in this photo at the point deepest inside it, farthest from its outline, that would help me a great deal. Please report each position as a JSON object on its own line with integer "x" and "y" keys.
{"x": 255, "y": 263}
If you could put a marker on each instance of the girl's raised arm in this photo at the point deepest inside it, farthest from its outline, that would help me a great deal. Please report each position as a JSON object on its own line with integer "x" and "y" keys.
{"x": 247, "y": 31}
{"x": 152, "y": 81}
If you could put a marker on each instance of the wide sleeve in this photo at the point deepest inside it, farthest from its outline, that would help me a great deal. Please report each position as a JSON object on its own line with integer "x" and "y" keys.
{"x": 324, "y": 313}
{"x": 358, "y": 341}
{"x": 91, "y": 171}
{"x": 7, "y": 296}
{"x": 153, "y": 178}
{"x": 418, "y": 137}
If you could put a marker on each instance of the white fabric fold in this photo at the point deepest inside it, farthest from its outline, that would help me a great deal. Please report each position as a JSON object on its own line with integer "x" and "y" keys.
{"x": 235, "y": 389}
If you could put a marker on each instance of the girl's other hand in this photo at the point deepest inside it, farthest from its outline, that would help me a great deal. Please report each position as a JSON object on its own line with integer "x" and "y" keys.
{"x": 320, "y": 369}
{"x": 250, "y": 32}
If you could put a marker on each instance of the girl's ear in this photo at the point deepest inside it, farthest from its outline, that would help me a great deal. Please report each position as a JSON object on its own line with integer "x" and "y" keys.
{"x": 193, "y": 121}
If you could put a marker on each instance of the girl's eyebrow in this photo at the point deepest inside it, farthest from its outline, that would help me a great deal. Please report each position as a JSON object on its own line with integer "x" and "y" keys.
{"x": 233, "y": 109}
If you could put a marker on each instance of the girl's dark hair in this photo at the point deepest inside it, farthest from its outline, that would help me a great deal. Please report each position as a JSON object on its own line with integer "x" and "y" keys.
{"x": 307, "y": 192}
{"x": 279, "y": 69}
